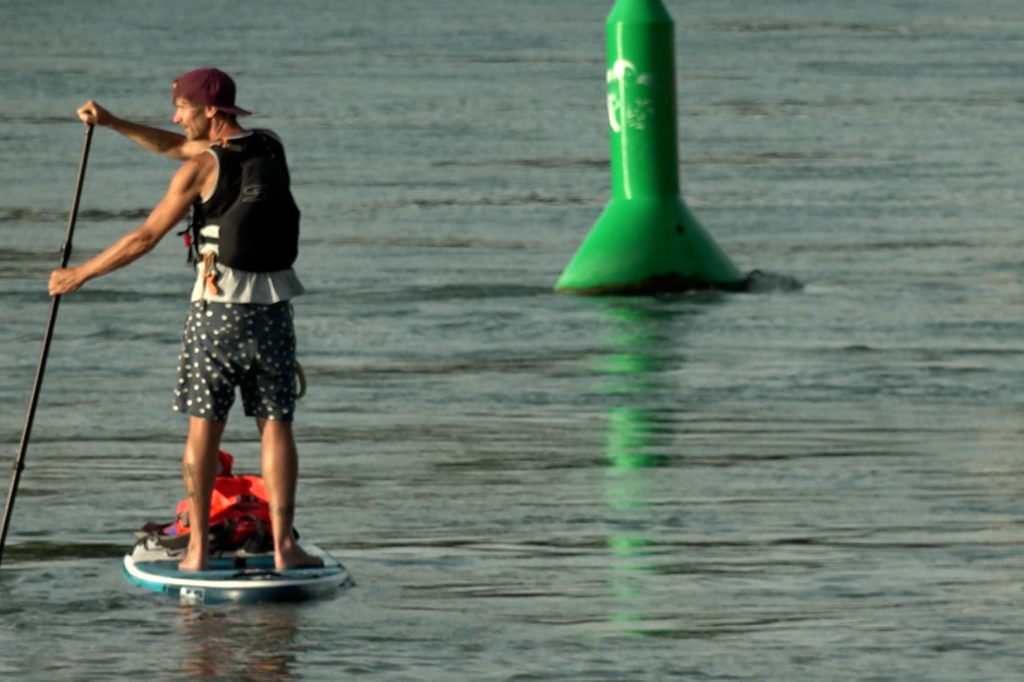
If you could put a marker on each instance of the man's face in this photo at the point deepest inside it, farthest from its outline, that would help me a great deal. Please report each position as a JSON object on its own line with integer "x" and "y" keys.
{"x": 192, "y": 118}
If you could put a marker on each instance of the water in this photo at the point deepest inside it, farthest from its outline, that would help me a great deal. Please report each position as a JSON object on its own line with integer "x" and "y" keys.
{"x": 819, "y": 483}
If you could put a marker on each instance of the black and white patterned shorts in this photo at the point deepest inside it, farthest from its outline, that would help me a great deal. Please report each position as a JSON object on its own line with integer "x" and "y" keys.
{"x": 247, "y": 345}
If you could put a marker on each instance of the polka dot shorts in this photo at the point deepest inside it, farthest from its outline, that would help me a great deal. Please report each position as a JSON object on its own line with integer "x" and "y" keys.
{"x": 250, "y": 346}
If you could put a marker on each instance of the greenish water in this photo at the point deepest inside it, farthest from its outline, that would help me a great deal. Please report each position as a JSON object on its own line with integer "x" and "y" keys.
{"x": 819, "y": 483}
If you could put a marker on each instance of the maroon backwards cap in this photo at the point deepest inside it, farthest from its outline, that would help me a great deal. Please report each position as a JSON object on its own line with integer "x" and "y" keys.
{"x": 209, "y": 87}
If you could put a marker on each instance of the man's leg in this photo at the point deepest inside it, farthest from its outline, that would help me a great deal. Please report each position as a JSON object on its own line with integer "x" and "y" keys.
{"x": 280, "y": 476}
{"x": 199, "y": 469}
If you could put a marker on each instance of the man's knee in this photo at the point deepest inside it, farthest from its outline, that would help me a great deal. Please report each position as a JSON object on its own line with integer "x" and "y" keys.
{"x": 204, "y": 434}
{"x": 275, "y": 427}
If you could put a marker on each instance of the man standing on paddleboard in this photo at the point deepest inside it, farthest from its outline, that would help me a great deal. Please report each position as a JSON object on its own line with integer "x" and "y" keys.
{"x": 239, "y": 332}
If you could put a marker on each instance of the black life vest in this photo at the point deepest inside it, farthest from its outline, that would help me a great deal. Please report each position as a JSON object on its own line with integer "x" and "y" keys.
{"x": 252, "y": 204}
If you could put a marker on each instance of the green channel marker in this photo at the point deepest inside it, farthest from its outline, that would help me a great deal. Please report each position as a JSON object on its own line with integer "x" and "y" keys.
{"x": 646, "y": 240}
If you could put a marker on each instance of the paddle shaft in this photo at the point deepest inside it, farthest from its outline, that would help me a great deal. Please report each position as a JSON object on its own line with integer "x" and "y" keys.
{"x": 65, "y": 255}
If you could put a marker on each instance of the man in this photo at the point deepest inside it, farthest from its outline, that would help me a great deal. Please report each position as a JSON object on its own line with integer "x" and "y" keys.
{"x": 239, "y": 331}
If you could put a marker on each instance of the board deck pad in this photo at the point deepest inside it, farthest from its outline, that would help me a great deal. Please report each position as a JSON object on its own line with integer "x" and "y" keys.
{"x": 234, "y": 576}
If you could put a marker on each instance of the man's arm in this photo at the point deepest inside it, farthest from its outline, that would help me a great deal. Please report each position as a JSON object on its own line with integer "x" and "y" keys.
{"x": 186, "y": 186}
{"x": 156, "y": 140}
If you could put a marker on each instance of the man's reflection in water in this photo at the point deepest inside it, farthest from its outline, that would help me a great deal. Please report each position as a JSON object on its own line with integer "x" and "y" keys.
{"x": 252, "y": 642}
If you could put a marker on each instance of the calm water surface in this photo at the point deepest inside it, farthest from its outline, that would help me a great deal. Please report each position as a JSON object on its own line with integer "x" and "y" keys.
{"x": 796, "y": 483}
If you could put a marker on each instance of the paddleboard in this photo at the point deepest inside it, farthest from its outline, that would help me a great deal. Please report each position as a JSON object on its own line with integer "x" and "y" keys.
{"x": 233, "y": 576}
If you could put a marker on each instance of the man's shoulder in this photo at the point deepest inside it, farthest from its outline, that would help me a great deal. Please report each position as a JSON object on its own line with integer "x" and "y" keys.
{"x": 197, "y": 169}
{"x": 205, "y": 160}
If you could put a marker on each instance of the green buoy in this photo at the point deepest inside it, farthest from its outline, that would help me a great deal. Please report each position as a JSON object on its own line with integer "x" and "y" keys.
{"x": 646, "y": 240}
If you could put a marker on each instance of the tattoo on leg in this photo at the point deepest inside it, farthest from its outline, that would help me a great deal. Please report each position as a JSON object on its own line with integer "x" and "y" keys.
{"x": 193, "y": 488}
{"x": 285, "y": 511}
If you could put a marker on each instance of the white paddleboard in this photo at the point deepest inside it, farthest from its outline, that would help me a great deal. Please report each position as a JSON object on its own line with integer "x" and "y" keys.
{"x": 233, "y": 577}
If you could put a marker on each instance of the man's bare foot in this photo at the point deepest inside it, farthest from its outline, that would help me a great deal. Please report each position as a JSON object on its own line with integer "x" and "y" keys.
{"x": 190, "y": 564}
{"x": 293, "y": 556}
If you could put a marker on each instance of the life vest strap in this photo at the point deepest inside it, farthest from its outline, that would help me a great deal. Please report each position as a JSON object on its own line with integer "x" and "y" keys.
{"x": 210, "y": 273}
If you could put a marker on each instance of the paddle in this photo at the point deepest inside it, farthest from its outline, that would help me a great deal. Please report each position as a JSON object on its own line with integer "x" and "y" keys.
{"x": 65, "y": 255}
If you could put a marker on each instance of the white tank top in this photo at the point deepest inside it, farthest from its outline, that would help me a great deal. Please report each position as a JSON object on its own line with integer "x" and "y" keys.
{"x": 238, "y": 286}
